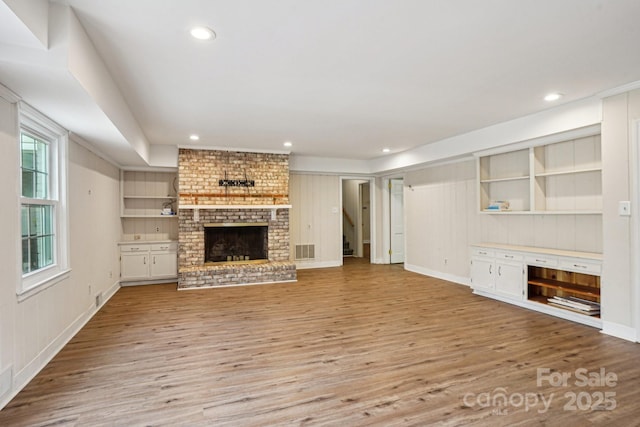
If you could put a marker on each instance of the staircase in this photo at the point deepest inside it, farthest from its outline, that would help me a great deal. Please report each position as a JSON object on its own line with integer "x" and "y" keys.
{"x": 346, "y": 249}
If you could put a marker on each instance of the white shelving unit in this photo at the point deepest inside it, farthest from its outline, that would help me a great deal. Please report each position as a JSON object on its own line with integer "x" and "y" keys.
{"x": 558, "y": 178}
{"x": 144, "y": 194}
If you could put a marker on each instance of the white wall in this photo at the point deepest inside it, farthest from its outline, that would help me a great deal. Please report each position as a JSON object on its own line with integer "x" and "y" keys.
{"x": 617, "y": 286}
{"x": 32, "y": 331}
{"x": 315, "y": 218}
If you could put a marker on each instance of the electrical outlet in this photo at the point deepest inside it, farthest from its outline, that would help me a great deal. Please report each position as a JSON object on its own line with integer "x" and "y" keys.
{"x": 157, "y": 229}
{"x": 624, "y": 208}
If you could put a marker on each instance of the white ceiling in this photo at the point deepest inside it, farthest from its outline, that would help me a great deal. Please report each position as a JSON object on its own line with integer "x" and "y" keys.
{"x": 341, "y": 78}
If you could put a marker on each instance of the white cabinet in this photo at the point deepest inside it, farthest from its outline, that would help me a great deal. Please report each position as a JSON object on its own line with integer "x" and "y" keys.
{"x": 482, "y": 269}
{"x": 559, "y": 178}
{"x": 163, "y": 261}
{"x": 144, "y": 262}
{"x": 497, "y": 272}
{"x": 510, "y": 279}
{"x": 546, "y": 280}
{"x": 134, "y": 266}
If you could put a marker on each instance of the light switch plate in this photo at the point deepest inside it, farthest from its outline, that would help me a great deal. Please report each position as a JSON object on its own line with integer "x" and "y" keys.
{"x": 624, "y": 208}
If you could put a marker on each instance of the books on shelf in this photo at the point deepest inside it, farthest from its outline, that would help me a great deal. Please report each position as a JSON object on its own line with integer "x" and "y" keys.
{"x": 498, "y": 205}
{"x": 579, "y": 305}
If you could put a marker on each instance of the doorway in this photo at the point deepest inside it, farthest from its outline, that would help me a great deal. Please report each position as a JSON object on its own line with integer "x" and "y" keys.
{"x": 356, "y": 219}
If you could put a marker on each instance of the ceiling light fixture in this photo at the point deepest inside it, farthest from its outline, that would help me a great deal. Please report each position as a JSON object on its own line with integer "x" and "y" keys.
{"x": 194, "y": 137}
{"x": 553, "y": 97}
{"x": 288, "y": 144}
{"x": 203, "y": 33}
{"x": 386, "y": 150}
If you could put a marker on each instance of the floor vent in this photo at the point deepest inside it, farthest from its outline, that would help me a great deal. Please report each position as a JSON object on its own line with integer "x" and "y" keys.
{"x": 305, "y": 252}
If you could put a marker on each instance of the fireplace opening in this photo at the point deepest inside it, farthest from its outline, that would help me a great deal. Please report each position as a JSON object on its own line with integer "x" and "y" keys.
{"x": 236, "y": 242}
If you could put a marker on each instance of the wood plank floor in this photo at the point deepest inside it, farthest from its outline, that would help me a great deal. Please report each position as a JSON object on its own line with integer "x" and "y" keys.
{"x": 360, "y": 345}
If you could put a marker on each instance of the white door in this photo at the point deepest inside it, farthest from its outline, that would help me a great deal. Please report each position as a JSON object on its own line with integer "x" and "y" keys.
{"x": 397, "y": 221}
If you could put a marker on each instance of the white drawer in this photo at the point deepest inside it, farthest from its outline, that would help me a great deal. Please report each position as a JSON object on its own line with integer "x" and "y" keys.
{"x": 541, "y": 260}
{"x": 509, "y": 256}
{"x": 482, "y": 252}
{"x": 134, "y": 248}
{"x": 171, "y": 247}
{"x": 581, "y": 266}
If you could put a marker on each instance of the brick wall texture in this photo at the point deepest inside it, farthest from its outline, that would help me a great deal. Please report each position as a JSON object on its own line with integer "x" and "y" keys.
{"x": 200, "y": 171}
{"x": 198, "y": 174}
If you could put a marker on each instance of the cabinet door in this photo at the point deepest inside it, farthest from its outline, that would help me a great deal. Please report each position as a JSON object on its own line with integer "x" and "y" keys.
{"x": 164, "y": 264}
{"x": 134, "y": 266}
{"x": 482, "y": 273}
{"x": 509, "y": 279}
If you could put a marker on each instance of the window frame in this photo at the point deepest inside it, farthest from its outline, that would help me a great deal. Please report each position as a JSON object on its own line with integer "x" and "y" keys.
{"x": 35, "y": 124}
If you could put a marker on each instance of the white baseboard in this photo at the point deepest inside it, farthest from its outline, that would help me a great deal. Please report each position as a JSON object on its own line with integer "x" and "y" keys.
{"x": 148, "y": 282}
{"x": 25, "y": 375}
{"x": 619, "y": 331}
{"x": 303, "y": 265}
{"x": 438, "y": 275}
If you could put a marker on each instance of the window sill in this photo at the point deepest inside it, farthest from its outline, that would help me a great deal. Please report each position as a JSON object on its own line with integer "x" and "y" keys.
{"x": 36, "y": 288}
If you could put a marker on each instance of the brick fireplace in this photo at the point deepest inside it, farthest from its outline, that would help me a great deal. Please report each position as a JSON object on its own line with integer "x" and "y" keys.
{"x": 231, "y": 190}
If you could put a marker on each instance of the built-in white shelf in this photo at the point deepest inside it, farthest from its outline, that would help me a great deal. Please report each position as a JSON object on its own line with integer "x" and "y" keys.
{"x": 144, "y": 195}
{"x": 517, "y": 178}
{"x": 561, "y": 178}
{"x": 569, "y": 172}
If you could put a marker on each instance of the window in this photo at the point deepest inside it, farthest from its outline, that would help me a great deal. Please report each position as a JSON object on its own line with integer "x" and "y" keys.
{"x": 42, "y": 200}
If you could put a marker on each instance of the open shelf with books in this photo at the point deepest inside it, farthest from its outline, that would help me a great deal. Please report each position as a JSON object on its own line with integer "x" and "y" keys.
{"x": 565, "y": 290}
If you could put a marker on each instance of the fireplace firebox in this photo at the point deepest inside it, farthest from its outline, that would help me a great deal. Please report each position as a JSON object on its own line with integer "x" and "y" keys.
{"x": 235, "y": 242}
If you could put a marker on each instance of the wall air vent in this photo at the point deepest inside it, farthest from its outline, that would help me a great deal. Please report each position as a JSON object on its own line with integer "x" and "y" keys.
{"x": 304, "y": 252}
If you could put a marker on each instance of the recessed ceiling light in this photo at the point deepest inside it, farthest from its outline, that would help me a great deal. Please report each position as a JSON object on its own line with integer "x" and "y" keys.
{"x": 288, "y": 144}
{"x": 203, "y": 33}
{"x": 194, "y": 137}
{"x": 386, "y": 150}
{"x": 553, "y": 97}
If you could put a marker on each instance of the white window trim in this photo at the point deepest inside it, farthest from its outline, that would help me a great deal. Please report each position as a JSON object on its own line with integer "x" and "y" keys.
{"x": 32, "y": 120}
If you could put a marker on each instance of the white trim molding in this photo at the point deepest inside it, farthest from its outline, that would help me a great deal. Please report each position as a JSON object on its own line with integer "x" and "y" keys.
{"x": 466, "y": 281}
{"x": 619, "y": 331}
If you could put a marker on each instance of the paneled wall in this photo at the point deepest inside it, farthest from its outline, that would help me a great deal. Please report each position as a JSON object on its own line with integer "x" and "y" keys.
{"x": 315, "y": 218}
{"x": 618, "y": 293}
{"x": 33, "y": 330}
{"x": 442, "y": 220}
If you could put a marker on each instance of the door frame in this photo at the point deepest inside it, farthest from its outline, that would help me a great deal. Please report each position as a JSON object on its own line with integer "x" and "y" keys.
{"x": 386, "y": 218}
{"x": 372, "y": 213}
